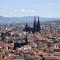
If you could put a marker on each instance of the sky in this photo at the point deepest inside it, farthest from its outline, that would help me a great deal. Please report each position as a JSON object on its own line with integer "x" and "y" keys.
{"x": 18, "y": 8}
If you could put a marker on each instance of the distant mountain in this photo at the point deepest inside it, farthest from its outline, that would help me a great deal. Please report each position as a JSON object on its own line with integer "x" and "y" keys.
{"x": 29, "y": 19}
{"x": 56, "y": 21}
{"x": 4, "y": 20}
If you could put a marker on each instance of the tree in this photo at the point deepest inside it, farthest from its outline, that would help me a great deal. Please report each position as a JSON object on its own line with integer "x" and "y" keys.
{"x": 2, "y": 36}
{"x": 38, "y": 26}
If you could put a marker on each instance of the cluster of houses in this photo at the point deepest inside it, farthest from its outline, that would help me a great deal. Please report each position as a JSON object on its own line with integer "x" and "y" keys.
{"x": 30, "y": 43}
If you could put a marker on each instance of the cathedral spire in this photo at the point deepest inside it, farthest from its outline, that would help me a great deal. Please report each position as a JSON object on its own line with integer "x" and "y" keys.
{"x": 34, "y": 25}
{"x": 26, "y": 27}
{"x": 38, "y": 25}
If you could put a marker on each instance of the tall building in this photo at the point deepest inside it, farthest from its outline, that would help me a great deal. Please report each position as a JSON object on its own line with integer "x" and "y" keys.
{"x": 38, "y": 25}
{"x": 26, "y": 27}
{"x": 34, "y": 25}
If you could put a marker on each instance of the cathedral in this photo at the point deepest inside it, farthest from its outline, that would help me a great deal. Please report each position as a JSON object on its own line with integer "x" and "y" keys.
{"x": 36, "y": 26}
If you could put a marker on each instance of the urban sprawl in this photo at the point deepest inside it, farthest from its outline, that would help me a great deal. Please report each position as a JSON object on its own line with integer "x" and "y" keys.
{"x": 30, "y": 42}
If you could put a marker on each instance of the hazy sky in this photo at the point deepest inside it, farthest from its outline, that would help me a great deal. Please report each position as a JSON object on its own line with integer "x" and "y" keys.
{"x": 43, "y": 8}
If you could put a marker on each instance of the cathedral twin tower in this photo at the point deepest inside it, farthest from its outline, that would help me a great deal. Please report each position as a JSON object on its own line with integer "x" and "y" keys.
{"x": 36, "y": 26}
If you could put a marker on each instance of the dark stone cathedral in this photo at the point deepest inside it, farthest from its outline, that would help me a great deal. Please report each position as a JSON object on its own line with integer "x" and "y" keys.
{"x": 36, "y": 26}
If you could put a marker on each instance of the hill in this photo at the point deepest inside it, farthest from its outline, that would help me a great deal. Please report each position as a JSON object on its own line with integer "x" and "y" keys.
{"x": 29, "y": 19}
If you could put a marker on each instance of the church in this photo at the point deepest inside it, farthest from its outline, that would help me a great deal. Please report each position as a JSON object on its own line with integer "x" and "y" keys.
{"x": 36, "y": 26}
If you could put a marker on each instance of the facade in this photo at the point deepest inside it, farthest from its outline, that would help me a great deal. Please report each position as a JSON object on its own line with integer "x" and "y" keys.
{"x": 36, "y": 26}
